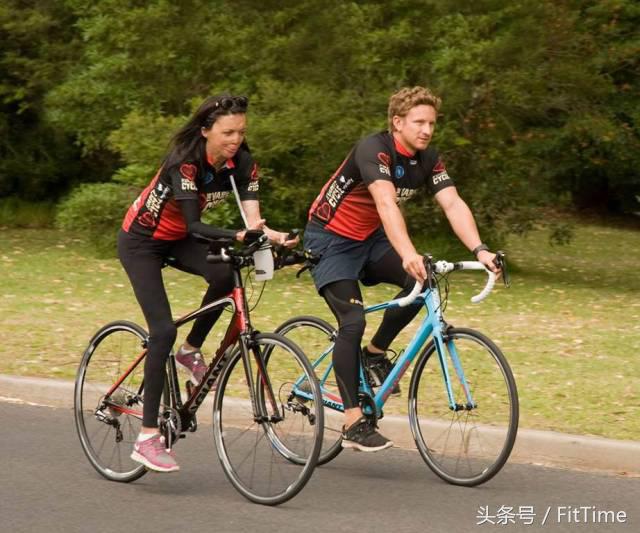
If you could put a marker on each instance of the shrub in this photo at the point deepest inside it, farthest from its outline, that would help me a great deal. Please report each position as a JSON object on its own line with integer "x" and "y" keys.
{"x": 18, "y": 213}
{"x": 95, "y": 212}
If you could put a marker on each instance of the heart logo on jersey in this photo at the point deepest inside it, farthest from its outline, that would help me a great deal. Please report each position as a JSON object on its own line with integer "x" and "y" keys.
{"x": 189, "y": 171}
{"x": 324, "y": 211}
{"x": 255, "y": 172}
{"x": 439, "y": 167}
{"x": 147, "y": 220}
{"x": 384, "y": 158}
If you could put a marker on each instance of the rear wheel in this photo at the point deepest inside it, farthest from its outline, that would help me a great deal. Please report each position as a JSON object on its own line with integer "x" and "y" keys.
{"x": 470, "y": 444}
{"x": 108, "y": 424}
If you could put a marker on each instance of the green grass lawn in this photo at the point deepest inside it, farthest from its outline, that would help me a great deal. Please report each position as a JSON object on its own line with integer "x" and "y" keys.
{"x": 570, "y": 324}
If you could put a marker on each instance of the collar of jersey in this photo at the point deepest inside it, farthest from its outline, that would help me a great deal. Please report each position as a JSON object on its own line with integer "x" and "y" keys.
{"x": 227, "y": 164}
{"x": 401, "y": 149}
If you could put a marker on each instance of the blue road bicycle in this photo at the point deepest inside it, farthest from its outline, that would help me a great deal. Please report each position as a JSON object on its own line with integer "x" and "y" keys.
{"x": 462, "y": 398}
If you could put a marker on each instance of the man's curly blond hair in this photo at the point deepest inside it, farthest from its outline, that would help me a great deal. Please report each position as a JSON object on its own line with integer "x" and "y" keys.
{"x": 401, "y": 102}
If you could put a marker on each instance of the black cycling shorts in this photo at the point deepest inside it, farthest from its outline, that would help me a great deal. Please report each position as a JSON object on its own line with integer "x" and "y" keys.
{"x": 340, "y": 257}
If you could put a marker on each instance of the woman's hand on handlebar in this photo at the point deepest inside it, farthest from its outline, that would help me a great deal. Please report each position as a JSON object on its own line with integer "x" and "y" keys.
{"x": 260, "y": 225}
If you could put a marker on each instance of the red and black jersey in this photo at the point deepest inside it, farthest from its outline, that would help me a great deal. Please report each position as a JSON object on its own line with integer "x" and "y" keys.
{"x": 345, "y": 206}
{"x": 155, "y": 213}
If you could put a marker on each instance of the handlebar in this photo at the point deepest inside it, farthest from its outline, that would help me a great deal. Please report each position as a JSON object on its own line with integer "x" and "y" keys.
{"x": 254, "y": 240}
{"x": 409, "y": 298}
{"x": 243, "y": 255}
{"x": 444, "y": 267}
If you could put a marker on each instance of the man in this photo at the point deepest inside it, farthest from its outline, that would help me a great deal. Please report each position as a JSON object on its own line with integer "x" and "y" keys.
{"x": 357, "y": 229}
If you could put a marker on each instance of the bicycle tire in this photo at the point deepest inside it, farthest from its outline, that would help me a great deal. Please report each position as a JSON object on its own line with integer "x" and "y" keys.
{"x": 111, "y": 350}
{"x": 469, "y": 446}
{"x": 314, "y": 336}
{"x": 253, "y": 447}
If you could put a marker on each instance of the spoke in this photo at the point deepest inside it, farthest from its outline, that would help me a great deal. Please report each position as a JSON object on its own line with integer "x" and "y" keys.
{"x": 259, "y": 436}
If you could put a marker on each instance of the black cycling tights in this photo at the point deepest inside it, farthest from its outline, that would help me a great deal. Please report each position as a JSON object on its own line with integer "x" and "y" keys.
{"x": 345, "y": 300}
{"x": 143, "y": 259}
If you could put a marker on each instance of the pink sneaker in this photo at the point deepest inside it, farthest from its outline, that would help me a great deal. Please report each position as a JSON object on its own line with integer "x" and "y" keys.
{"x": 193, "y": 363}
{"x": 153, "y": 454}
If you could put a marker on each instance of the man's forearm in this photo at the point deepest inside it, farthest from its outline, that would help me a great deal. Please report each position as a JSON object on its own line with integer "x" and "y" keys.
{"x": 463, "y": 224}
{"x": 396, "y": 229}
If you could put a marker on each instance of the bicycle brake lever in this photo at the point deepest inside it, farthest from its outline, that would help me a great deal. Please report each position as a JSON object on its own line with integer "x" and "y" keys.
{"x": 500, "y": 261}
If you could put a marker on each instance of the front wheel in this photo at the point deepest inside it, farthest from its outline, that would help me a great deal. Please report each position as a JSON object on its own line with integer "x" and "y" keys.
{"x": 268, "y": 444}
{"x": 466, "y": 444}
{"x": 316, "y": 338}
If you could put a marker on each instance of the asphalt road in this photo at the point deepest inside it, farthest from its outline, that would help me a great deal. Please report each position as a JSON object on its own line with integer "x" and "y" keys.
{"x": 49, "y": 486}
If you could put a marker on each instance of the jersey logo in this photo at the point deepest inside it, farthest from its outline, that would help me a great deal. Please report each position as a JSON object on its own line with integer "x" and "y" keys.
{"x": 208, "y": 178}
{"x": 385, "y": 163}
{"x": 384, "y": 158}
{"x": 255, "y": 172}
{"x": 211, "y": 199}
{"x": 188, "y": 185}
{"x": 403, "y": 194}
{"x": 399, "y": 171}
{"x": 147, "y": 220}
{"x": 189, "y": 171}
{"x": 439, "y": 167}
{"x": 324, "y": 211}
{"x": 439, "y": 178}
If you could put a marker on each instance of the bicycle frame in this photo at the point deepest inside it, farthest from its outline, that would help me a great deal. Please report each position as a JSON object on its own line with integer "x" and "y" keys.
{"x": 239, "y": 328}
{"x": 434, "y": 325}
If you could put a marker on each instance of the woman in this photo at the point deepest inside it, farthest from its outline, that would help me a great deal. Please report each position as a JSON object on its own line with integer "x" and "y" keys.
{"x": 195, "y": 175}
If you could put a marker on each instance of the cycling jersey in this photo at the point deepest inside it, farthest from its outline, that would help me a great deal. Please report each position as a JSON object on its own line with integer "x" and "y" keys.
{"x": 156, "y": 213}
{"x": 345, "y": 205}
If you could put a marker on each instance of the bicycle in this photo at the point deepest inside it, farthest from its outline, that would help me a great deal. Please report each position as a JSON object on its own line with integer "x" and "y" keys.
{"x": 463, "y": 401}
{"x": 268, "y": 441}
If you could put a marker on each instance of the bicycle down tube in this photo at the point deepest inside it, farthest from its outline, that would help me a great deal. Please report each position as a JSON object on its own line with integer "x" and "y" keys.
{"x": 431, "y": 325}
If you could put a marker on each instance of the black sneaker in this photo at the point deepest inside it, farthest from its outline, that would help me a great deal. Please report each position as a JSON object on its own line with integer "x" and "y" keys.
{"x": 379, "y": 368}
{"x": 362, "y": 436}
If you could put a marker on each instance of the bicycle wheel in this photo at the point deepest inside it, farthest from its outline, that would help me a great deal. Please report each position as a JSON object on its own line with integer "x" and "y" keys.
{"x": 255, "y": 438}
{"x": 316, "y": 337}
{"x": 468, "y": 446}
{"x": 109, "y": 424}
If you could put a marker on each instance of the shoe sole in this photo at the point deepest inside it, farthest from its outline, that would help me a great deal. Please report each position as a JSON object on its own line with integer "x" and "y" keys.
{"x": 367, "y": 449}
{"x": 144, "y": 461}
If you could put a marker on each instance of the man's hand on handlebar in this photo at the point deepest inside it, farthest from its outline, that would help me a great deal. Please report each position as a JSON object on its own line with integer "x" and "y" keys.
{"x": 413, "y": 265}
{"x": 488, "y": 259}
{"x": 278, "y": 238}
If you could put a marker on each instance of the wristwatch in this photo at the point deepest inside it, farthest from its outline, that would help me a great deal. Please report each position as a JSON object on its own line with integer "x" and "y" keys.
{"x": 479, "y": 249}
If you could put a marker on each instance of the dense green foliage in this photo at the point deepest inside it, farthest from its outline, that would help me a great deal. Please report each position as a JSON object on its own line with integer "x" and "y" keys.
{"x": 541, "y": 102}
{"x": 96, "y": 210}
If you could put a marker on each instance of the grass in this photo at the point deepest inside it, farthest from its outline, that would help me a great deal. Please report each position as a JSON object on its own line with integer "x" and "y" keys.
{"x": 18, "y": 213}
{"x": 570, "y": 324}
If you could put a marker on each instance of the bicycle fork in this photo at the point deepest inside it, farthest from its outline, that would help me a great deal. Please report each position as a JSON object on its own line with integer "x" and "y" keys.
{"x": 447, "y": 349}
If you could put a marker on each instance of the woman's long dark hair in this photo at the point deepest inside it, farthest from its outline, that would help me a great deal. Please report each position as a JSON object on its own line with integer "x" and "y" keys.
{"x": 188, "y": 144}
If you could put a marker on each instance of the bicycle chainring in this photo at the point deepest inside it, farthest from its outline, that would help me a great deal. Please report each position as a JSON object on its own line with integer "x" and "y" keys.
{"x": 170, "y": 426}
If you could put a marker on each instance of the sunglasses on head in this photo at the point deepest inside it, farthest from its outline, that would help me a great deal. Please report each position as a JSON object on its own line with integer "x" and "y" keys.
{"x": 227, "y": 102}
